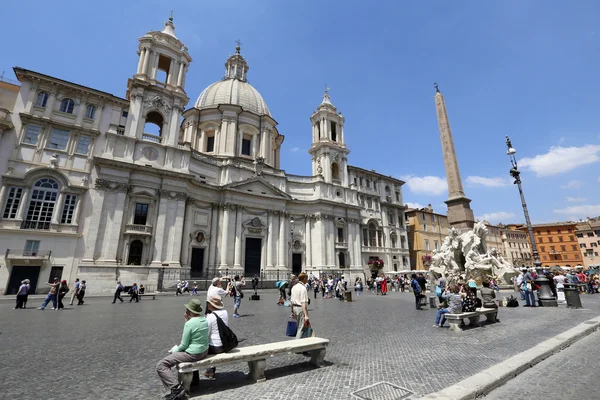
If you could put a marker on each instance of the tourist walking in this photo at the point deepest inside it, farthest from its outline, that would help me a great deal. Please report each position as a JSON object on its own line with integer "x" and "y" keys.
{"x": 299, "y": 301}
{"x": 52, "y": 295}
{"x": 81, "y": 293}
{"x": 316, "y": 283}
{"x": 454, "y": 300}
{"x": 416, "y": 288}
{"x": 22, "y": 294}
{"x": 134, "y": 292}
{"x": 195, "y": 289}
{"x": 528, "y": 288}
{"x": 193, "y": 347}
{"x": 186, "y": 287}
{"x": 216, "y": 309}
{"x": 238, "y": 294}
{"x": 75, "y": 290}
{"x": 63, "y": 289}
{"x": 358, "y": 286}
{"x": 118, "y": 291}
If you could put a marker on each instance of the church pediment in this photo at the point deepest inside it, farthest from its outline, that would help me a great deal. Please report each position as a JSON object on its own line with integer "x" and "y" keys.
{"x": 258, "y": 187}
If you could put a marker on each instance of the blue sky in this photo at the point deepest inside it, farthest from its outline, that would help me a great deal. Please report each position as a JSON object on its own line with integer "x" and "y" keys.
{"x": 523, "y": 68}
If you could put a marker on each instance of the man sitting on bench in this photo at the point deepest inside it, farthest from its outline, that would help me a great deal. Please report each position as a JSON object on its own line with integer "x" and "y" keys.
{"x": 454, "y": 299}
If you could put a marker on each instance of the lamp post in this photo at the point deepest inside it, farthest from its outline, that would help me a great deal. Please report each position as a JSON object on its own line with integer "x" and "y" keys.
{"x": 545, "y": 296}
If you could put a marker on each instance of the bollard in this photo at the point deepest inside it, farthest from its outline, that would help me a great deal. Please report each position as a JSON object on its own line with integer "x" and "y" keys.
{"x": 572, "y": 295}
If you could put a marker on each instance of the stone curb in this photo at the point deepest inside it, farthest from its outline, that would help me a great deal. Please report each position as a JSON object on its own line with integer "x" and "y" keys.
{"x": 484, "y": 382}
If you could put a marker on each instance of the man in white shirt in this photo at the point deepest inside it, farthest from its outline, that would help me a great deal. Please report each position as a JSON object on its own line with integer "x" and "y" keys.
{"x": 299, "y": 301}
{"x": 215, "y": 289}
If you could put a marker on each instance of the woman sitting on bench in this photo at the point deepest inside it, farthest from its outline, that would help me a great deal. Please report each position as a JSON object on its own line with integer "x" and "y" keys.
{"x": 454, "y": 299}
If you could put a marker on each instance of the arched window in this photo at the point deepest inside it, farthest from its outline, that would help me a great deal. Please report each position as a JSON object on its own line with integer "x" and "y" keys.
{"x": 387, "y": 191}
{"x": 394, "y": 240}
{"x": 42, "y": 99}
{"x": 342, "y": 260}
{"x": 335, "y": 172}
{"x": 318, "y": 128}
{"x": 67, "y": 106}
{"x": 368, "y": 183}
{"x": 90, "y": 111}
{"x": 42, "y": 203}
{"x": 153, "y": 127}
{"x": 372, "y": 235}
{"x": 391, "y": 218}
{"x": 163, "y": 69}
{"x": 333, "y": 131}
{"x": 135, "y": 253}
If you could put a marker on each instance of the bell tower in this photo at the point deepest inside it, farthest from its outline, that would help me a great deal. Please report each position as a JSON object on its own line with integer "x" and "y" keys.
{"x": 157, "y": 90}
{"x": 328, "y": 150}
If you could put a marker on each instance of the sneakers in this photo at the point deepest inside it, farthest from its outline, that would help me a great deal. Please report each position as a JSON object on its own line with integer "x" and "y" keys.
{"x": 236, "y": 315}
{"x": 176, "y": 392}
{"x": 40, "y": 308}
{"x": 436, "y": 326}
{"x": 209, "y": 374}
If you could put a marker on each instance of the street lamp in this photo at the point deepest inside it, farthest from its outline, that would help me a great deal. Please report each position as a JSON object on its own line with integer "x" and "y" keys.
{"x": 545, "y": 296}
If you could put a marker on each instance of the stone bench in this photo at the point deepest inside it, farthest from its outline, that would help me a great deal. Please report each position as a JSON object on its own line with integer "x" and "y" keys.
{"x": 256, "y": 357}
{"x": 147, "y": 295}
{"x": 456, "y": 321}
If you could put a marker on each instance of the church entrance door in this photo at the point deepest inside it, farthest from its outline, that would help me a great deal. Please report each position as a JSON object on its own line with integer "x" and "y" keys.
{"x": 296, "y": 263}
{"x": 252, "y": 260}
{"x": 197, "y": 264}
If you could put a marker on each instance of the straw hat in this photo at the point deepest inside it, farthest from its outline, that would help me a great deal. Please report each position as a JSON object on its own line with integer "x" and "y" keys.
{"x": 216, "y": 302}
{"x": 194, "y": 306}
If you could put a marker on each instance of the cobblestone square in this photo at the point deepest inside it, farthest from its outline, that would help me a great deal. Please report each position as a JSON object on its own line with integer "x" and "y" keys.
{"x": 109, "y": 351}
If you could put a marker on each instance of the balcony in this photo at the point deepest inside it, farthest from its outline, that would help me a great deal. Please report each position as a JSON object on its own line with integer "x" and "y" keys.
{"x": 341, "y": 245}
{"x": 138, "y": 229}
{"x": 36, "y": 225}
{"x": 151, "y": 138}
{"x": 28, "y": 254}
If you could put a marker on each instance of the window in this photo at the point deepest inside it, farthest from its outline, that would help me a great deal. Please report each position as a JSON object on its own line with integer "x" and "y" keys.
{"x": 67, "y": 105}
{"x": 13, "y": 199}
{"x": 361, "y": 181}
{"x": 42, "y": 99}
{"x": 433, "y": 217}
{"x": 333, "y": 131}
{"x": 402, "y": 242}
{"x": 560, "y": 238}
{"x": 163, "y": 68}
{"x": 90, "y": 111}
{"x": 141, "y": 214}
{"x": 545, "y": 258}
{"x": 41, "y": 204}
{"x": 423, "y": 217}
{"x": 550, "y": 239}
{"x": 372, "y": 235}
{"x": 543, "y": 249}
{"x": 355, "y": 182}
{"x": 31, "y": 134}
{"x": 369, "y": 203}
{"x": 342, "y": 260}
{"x": 135, "y": 253}
{"x": 576, "y": 256}
{"x": 425, "y": 227}
{"x": 210, "y": 142}
{"x": 427, "y": 247}
{"x": 394, "y": 240}
{"x": 433, "y": 228}
{"x": 153, "y": 127}
{"x": 340, "y": 235}
{"x": 246, "y": 146}
{"x": 590, "y": 234}
{"x": 563, "y": 248}
{"x": 55, "y": 272}
{"x": 582, "y": 246}
{"x": 574, "y": 247}
{"x": 397, "y": 196}
{"x": 83, "y": 145}
{"x": 68, "y": 209}
{"x": 125, "y": 114}
{"x": 399, "y": 219}
{"x": 32, "y": 247}
{"x": 540, "y": 240}
{"x": 436, "y": 245}
{"x": 391, "y": 218}
{"x": 368, "y": 183}
{"x": 572, "y": 238}
{"x": 365, "y": 237}
{"x": 594, "y": 244}
{"x": 335, "y": 172}
{"x": 58, "y": 139}
{"x": 580, "y": 235}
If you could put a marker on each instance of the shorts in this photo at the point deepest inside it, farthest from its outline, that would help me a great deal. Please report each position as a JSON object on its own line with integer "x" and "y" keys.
{"x": 237, "y": 301}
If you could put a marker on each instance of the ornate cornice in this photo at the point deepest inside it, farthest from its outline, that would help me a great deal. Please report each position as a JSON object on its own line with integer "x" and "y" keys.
{"x": 171, "y": 194}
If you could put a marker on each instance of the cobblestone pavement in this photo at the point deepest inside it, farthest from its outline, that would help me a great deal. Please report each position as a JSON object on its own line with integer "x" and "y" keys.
{"x": 570, "y": 374}
{"x": 105, "y": 351}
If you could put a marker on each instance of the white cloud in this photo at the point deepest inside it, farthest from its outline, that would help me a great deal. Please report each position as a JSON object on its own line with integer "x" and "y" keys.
{"x": 576, "y": 199}
{"x": 578, "y": 212}
{"x": 499, "y": 216}
{"x": 426, "y": 184}
{"x": 571, "y": 185}
{"x": 295, "y": 149}
{"x": 562, "y": 159}
{"x": 488, "y": 182}
{"x": 413, "y": 205}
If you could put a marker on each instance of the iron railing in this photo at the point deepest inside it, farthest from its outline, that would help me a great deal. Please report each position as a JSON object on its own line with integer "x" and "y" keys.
{"x": 36, "y": 225}
{"x": 152, "y": 138}
{"x": 26, "y": 253}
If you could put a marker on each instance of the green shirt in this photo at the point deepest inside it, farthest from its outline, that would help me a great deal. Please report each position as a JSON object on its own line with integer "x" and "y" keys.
{"x": 195, "y": 336}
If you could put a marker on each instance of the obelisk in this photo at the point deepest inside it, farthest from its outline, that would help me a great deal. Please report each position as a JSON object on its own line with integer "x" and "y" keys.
{"x": 460, "y": 215}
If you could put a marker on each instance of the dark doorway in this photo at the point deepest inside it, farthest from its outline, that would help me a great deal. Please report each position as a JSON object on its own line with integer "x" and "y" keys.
{"x": 296, "y": 263}
{"x": 252, "y": 260}
{"x": 135, "y": 253}
{"x": 342, "y": 260}
{"x": 55, "y": 272}
{"x": 197, "y": 264}
{"x": 19, "y": 274}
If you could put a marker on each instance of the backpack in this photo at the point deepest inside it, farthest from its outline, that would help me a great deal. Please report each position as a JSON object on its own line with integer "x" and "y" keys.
{"x": 228, "y": 339}
{"x": 512, "y": 302}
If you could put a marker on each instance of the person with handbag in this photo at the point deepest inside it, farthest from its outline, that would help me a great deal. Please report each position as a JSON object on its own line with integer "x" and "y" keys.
{"x": 238, "y": 295}
{"x": 299, "y": 301}
{"x": 215, "y": 310}
{"x": 528, "y": 288}
{"x": 416, "y": 288}
{"x": 454, "y": 298}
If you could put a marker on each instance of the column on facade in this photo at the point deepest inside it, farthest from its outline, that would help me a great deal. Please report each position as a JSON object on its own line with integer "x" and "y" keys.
{"x": 140, "y": 61}
{"x": 173, "y": 127}
{"x": 135, "y": 115}
{"x": 307, "y": 243}
{"x": 94, "y": 204}
{"x": 238, "y": 238}
{"x": 180, "y": 75}
{"x": 159, "y": 229}
{"x": 58, "y": 208}
{"x": 154, "y": 65}
{"x": 323, "y": 237}
{"x": 358, "y": 245}
{"x": 351, "y": 238}
{"x": 212, "y": 252}
{"x": 254, "y": 146}
{"x": 115, "y": 203}
{"x": 271, "y": 239}
{"x": 331, "y": 254}
{"x": 22, "y": 209}
{"x": 171, "y": 74}
{"x": 146, "y": 55}
{"x": 80, "y": 112}
{"x": 33, "y": 94}
{"x": 176, "y": 218}
{"x": 283, "y": 238}
{"x": 225, "y": 236}
{"x": 98, "y": 117}
{"x": 50, "y": 104}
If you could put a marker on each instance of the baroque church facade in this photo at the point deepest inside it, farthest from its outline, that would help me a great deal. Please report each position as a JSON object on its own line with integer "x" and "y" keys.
{"x": 142, "y": 189}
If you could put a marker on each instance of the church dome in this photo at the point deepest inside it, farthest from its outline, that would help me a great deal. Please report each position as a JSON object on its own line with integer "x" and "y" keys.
{"x": 233, "y": 89}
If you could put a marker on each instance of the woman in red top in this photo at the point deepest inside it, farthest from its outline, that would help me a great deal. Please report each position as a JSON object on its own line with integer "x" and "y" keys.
{"x": 384, "y": 286}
